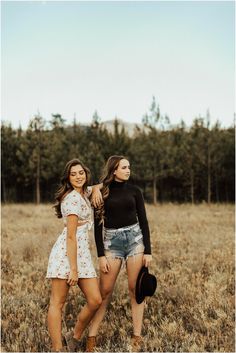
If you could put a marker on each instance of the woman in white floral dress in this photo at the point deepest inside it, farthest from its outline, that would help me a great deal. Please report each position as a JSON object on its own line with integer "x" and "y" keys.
{"x": 70, "y": 261}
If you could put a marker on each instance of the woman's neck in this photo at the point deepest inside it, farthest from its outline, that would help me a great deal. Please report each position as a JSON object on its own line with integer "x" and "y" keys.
{"x": 79, "y": 190}
{"x": 118, "y": 180}
{"x": 117, "y": 184}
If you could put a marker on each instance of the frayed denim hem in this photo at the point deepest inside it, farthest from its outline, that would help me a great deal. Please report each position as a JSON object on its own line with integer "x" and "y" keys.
{"x": 137, "y": 251}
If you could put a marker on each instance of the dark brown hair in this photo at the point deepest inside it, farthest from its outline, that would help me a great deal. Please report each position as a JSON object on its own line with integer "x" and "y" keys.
{"x": 106, "y": 178}
{"x": 66, "y": 187}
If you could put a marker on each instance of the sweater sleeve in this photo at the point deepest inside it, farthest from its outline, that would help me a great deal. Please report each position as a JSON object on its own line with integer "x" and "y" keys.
{"x": 142, "y": 218}
{"x": 98, "y": 228}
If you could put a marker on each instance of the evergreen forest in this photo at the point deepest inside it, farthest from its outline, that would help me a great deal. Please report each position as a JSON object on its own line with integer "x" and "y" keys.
{"x": 169, "y": 163}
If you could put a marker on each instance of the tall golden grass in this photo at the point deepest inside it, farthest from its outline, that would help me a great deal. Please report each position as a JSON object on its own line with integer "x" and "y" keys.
{"x": 193, "y": 259}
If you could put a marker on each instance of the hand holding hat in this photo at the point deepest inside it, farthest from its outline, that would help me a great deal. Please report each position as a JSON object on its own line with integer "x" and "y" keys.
{"x": 145, "y": 285}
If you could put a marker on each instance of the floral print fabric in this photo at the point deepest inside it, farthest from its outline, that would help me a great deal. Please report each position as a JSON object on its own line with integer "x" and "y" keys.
{"x": 58, "y": 265}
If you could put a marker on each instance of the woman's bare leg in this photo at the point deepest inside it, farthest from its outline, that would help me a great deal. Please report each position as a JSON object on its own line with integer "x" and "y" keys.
{"x": 107, "y": 282}
{"x": 90, "y": 288}
{"x": 59, "y": 293}
{"x": 134, "y": 264}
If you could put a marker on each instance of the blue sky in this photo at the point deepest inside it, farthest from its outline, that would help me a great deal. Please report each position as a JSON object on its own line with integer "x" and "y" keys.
{"x": 76, "y": 57}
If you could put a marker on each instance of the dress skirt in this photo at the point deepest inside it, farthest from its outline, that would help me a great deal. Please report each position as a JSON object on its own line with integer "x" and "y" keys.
{"x": 58, "y": 264}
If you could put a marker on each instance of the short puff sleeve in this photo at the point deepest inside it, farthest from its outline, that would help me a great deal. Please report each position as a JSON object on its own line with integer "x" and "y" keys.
{"x": 71, "y": 205}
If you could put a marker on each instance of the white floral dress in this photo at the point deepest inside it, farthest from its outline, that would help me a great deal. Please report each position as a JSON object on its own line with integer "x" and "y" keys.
{"x": 58, "y": 264}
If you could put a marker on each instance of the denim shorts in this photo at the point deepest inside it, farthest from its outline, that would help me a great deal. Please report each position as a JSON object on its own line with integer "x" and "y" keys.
{"x": 123, "y": 242}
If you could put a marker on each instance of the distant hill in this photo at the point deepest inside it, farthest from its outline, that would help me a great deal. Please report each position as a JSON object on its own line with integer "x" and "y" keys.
{"x": 129, "y": 127}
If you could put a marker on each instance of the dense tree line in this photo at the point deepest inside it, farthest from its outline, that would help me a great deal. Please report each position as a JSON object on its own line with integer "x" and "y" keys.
{"x": 176, "y": 164}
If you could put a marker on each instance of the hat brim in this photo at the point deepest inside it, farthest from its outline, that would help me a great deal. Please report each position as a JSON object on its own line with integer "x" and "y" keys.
{"x": 139, "y": 296}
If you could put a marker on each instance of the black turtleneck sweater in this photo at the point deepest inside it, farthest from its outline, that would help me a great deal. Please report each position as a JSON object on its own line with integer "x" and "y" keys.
{"x": 123, "y": 207}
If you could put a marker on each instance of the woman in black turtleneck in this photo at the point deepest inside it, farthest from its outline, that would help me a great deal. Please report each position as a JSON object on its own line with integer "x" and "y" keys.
{"x": 121, "y": 234}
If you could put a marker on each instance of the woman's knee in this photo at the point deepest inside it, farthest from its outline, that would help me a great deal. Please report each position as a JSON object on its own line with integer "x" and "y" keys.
{"x": 56, "y": 303}
{"x": 95, "y": 302}
{"x": 106, "y": 292}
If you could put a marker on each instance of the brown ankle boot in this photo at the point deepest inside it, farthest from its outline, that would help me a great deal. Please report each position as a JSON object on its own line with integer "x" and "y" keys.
{"x": 136, "y": 342}
{"x": 91, "y": 344}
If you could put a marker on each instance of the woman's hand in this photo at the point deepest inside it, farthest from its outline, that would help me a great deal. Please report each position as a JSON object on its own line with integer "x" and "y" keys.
{"x": 73, "y": 278}
{"x": 147, "y": 260}
{"x": 96, "y": 197}
{"x": 104, "y": 264}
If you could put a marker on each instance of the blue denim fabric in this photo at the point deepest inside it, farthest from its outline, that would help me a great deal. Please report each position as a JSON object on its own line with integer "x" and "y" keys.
{"x": 123, "y": 242}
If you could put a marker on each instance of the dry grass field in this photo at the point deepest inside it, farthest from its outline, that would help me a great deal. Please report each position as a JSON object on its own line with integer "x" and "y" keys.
{"x": 193, "y": 259}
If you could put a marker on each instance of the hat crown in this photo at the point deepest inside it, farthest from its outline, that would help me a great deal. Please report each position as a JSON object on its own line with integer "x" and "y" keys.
{"x": 145, "y": 286}
{"x": 149, "y": 284}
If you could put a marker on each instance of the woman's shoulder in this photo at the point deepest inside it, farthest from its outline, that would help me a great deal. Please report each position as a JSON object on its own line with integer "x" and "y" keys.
{"x": 71, "y": 204}
{"x": 71, "y": 196}
{"x": 134, "y": 188}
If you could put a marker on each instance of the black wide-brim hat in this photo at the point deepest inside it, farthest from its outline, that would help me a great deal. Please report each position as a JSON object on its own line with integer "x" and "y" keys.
{"x": 145, "y": 285}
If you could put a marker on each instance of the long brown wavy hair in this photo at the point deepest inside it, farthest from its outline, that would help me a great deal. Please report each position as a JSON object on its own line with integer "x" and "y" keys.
{"x": 65, "y": 187}
{"x": 106, "y": 178}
